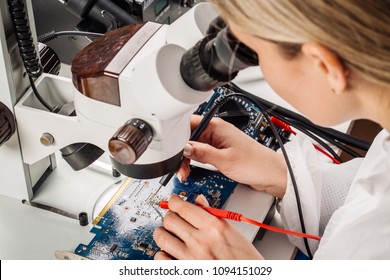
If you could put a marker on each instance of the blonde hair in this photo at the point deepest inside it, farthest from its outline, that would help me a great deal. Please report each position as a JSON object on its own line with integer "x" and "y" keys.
{"x": 358, "y": 31}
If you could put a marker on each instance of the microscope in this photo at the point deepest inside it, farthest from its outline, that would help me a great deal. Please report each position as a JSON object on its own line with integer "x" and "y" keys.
{"x": 131, "y": 95}
{"x": 127, "y": 103}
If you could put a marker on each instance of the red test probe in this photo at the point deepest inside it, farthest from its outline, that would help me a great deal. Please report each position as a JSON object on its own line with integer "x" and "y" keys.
{"x": 225, "y": 214}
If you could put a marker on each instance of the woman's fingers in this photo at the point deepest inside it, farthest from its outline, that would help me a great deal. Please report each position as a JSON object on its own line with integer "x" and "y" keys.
{"x": 184, "y": 170}
{"x": 205, "y": 153}
{"x": 201, "y": 200}
{"x": 162, "y": 256}
{"x": 193, "y": 214}
{"x": 169, "y": 243}
{"x": 180, "y": 228}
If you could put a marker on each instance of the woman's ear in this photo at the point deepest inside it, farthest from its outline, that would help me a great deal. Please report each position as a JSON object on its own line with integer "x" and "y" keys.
{"x": 328, "y": 63}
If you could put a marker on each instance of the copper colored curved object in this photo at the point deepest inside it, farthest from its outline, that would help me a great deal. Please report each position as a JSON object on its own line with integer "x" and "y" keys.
{"x": 96, "y": 68}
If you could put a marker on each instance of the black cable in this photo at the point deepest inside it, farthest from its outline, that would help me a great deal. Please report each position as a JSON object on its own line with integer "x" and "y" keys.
{"x": 348, "y": 139}
{"x": 348, "y": 150}
{"x": 326, "y": 132}
{"x": 334, "y": 137}
{"x": 304, "y": 130}
{"x": 24, "y": 38}
{"x": 44, "y": 38}
{"x": 43, "y": 102}
{"x": 327, "y": 138}
{"x": 316, "y": 135}
{"x": 289, "y": 167}
{"x": 309, "y": 133}
{"x": 26, "y": 45}
{"x": 340, "y": 136}
{"x": 302, "y": 123}
{"x": 318, "y": 140}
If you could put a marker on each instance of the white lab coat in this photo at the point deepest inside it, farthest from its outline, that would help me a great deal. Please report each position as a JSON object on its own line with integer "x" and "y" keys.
{"x": 347, "y": 204}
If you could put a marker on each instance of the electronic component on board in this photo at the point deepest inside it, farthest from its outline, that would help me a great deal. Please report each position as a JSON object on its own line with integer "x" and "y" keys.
{"x": 247, "y": 117}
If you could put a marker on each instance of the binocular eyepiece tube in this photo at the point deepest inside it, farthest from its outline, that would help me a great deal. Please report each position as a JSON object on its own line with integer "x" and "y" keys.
{"x": 216, "y": 59}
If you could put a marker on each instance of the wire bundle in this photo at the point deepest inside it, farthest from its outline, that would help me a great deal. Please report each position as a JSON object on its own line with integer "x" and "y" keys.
{"x": 318, "y": 133}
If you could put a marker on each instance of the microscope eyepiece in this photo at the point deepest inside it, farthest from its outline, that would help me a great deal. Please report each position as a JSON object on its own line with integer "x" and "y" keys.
{"x": 216, "y": 59}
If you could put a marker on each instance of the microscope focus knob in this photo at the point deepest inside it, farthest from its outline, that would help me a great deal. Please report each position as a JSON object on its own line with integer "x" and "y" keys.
{"x": 130, "y": 141}
{"x": 7, "y": 124}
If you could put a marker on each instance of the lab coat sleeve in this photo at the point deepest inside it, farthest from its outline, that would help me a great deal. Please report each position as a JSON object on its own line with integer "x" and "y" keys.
{"x": 322, "y": 188}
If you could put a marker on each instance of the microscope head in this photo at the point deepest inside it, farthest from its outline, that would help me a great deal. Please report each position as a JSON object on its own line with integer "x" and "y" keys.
{"x": 129, "y": 82}
{"x": 143, "y": 81}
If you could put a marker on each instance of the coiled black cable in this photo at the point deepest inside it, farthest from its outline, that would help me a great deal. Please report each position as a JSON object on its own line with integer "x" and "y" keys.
{"x": 26, "y": 45}
{"x": 24, "y": 38}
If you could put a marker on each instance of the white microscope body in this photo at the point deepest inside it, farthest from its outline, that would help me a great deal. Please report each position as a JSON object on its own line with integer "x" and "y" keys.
{"x": 150, "y": 89}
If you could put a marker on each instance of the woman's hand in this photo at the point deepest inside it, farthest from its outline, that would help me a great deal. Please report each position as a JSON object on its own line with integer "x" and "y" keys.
{"x": 237, "y": 156}
{"x": 190, "y": 232}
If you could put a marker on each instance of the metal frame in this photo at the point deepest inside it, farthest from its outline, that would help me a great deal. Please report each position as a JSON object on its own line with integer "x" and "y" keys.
{"x": 17, "y": 178}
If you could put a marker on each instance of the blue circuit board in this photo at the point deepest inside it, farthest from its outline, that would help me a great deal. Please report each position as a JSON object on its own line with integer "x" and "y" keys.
{"x": 124, "y": 228}
{"x": 246, "y": 116}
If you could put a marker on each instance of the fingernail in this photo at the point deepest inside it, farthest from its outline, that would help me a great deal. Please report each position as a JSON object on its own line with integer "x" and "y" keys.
{"x": 204, "y": 200}
{"x": 187, "y": 150}
{"x": 178, "y": 175}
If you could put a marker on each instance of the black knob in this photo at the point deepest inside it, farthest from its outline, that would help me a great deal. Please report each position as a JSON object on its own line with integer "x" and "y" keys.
{"x": 7, "y": 124}
{"x": 83, "y": 219}
{"x": 130, "y": 141}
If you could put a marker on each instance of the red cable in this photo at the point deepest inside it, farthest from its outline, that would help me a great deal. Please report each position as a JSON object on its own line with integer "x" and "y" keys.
{"x": 326, "y": 154}
{"x": 281, "y": 124}
{"x": 224, "y": 214}
{"x": 287, "y": 127}
{"x": 280, "y": 230}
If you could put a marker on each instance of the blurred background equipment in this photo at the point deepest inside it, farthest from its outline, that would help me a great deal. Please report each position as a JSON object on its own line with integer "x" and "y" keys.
{"x": 99, "y": 16}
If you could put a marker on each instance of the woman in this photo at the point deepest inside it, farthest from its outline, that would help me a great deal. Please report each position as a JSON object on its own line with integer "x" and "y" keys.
{"x": 330, "y": 60}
